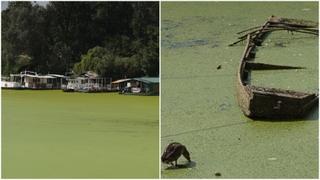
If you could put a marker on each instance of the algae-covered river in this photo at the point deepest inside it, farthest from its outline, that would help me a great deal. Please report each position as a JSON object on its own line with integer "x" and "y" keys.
{"x": 198, "y": 103}
{"x": 51, "y": 134}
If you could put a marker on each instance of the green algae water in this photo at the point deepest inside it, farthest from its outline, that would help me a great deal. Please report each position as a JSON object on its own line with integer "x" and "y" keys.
{"x": 51, "y": 134}
{"x": 198, "y": 102}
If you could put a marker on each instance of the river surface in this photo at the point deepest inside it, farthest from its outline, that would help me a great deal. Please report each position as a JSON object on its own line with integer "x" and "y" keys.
{"x": 198, "y": 102}
{"x": 52, "y": 134}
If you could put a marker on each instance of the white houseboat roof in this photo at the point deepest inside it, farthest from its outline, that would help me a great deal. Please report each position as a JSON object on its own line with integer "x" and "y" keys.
{"x": 57, "y": 75}
{"x": 120, "y": 81}
{"x": 147, "y": 80}
{"x": 28, "y": 72}
{"x": 29, "y": 75}
{"x": 33, "y": 76}
{"x": 46, "y": 77}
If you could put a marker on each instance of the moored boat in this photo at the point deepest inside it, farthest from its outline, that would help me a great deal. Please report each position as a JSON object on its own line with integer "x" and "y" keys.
{"x": 33, "y": 80}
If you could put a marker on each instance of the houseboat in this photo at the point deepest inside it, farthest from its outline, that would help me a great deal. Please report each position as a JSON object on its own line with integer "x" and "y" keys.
{"x": 60, "y": 81}
{"x": 139, "y": 86}
{"x": 32, "y": 80}
{"x": 88, "y": 82}
{"x": 12, "y": 82}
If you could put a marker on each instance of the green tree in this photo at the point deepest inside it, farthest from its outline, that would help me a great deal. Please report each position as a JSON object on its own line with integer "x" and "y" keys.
{"x": 22, "y": 62}
{"x": 97, "y": 59}
{"x": 115, "y": 39}
{"x": 22, "y": 34}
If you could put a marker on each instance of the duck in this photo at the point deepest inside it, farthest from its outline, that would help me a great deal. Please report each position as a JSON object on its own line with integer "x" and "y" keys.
{"x": 173, "y": 152}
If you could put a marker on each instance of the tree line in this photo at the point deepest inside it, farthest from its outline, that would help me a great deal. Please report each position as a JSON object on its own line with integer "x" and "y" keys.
{"x": 113, "y": 39}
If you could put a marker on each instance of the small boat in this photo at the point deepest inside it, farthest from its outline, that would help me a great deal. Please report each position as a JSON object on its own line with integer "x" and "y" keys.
{"x": 264, "y": 102}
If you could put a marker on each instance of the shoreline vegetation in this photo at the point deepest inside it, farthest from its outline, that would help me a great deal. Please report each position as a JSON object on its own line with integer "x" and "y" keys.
{"x": 113, "y": 39}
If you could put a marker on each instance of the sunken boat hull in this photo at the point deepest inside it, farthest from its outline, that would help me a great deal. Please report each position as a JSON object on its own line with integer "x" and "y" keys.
{"x": 264, "y": 102}
{"x": 259, "y": 102}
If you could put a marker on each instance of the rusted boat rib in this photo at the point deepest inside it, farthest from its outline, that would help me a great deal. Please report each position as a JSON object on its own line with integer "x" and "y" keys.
{"x": 263, "y": 102}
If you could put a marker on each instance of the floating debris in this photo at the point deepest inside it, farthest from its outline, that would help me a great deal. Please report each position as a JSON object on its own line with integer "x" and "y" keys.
{"x": 272, "y": 159}
{"x": 306, "y": 9}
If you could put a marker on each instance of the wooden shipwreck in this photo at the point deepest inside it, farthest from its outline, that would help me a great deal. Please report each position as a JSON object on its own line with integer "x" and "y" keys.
{"x": 264, "y": 102}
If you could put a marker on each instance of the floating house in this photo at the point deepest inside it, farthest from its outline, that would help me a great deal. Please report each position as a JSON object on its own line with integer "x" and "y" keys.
{"x": 60, "y": 81}
{"x": 88, "y": 82}
{"x": 141, "y": 85}
{"x": 12, "y": 82}
{"x": 120, "y": 84}
{"x": 32, "y": 80}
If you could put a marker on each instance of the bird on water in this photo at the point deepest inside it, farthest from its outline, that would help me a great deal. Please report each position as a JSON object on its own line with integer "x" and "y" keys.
{"x": 172, "y": 153}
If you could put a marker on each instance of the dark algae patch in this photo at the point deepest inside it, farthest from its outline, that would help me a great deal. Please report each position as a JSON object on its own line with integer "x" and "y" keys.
{"x": 172, "y": 40}
{"x": 188, "y": 43}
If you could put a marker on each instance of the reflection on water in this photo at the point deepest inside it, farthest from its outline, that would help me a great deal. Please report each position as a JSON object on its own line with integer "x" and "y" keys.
{"x": 182, "y": 166}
